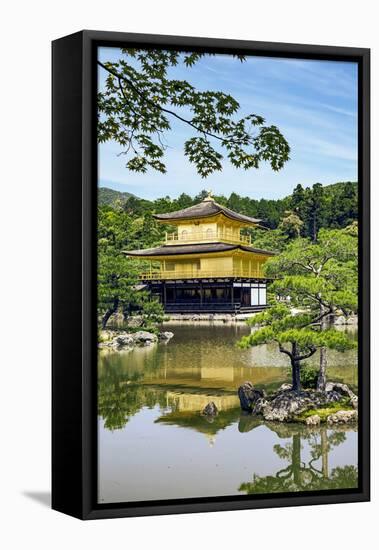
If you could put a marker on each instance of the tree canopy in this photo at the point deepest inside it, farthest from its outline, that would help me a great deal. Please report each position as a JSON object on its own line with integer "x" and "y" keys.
{"x": 117, "y": 274}
{"x": 141, "y": 98}
{"x": 319, "y": 279}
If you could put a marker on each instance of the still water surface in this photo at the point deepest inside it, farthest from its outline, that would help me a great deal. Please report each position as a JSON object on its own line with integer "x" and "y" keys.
{"x": 154, "y": 444}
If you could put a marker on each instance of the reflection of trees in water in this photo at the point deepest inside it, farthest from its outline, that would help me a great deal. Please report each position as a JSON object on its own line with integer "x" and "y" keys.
{"x": 117, "y": 402}
{"x": 119, "y": 399}
{"x": 300, "y": 475}
{"x": 121, "y": 395}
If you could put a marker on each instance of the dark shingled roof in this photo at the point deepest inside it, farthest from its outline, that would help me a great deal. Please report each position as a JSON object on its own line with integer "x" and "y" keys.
{"x": 208, "y": 207}
{"x": 173, "y": 250}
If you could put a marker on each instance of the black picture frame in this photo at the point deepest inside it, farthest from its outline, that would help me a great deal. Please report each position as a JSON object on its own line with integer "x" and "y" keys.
{"x": 74, "y": 333}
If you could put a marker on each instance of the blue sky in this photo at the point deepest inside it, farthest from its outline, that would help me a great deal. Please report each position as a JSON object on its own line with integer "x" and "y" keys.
{"x": 314, "y": 103}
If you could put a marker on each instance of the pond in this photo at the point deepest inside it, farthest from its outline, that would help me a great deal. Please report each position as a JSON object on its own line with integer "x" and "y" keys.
{"x": 154, "y": 444}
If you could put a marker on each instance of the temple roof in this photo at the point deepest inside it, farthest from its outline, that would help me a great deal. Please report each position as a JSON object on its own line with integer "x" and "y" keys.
{"x": 176, "y": 250}
{"x": 206, "y": 208}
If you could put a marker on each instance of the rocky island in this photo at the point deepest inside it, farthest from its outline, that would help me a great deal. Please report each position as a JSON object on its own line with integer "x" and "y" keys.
{"x": 336, "y": 404}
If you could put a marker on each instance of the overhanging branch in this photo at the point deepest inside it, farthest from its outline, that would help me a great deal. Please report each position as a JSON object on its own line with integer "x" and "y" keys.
{"x": 164, "y": 109}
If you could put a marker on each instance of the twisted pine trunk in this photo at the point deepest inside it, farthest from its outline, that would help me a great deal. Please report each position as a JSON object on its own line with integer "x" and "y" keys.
{"x": 295, "y": 364}
{"x": 110, "y": 311}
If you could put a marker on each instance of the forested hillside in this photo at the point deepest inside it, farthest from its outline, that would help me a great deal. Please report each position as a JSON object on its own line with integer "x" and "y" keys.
{"x": 318, "y": 206}
{"x": 110, "y": 196}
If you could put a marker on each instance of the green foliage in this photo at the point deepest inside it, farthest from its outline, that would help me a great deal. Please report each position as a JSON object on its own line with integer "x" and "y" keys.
{"x": 280, "y": 215}
{"x": 324, "y": 274}
{"x": 334, "y": 206}
{"x": 308, "y": 273}
{"x": 305, "y": 338}
{"x": 117, "y": 274}
{"x": 323, "y": 413}
{"x": 110, "y": 196}
{"x": 291, "y": 225}
{"x": 140, "y": 99}
{"x": 308, "y": 376}
{"x": 318, "y": 278}
{"x": 153, "y": 313}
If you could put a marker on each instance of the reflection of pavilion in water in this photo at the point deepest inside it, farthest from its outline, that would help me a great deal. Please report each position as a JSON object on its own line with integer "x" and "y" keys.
{"x": 186, "y": 407}
{"x": 206, "y": 357}
{"x": 189, "y": 402}
{"x": 208, "y": 368}
{"x": 183, "y": 376}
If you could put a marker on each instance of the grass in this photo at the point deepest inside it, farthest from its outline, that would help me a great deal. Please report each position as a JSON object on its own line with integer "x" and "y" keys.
{"x": 323, "y": 413}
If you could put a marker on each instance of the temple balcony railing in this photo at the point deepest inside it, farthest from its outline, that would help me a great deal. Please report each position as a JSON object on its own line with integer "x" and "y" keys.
{"x": 201, "y": 274}
{"x": 209, "y": 236}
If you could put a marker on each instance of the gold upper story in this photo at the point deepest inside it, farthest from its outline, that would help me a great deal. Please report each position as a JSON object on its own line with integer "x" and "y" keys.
{"x": 208, "y": 242}
{"x": 207, "y": 222}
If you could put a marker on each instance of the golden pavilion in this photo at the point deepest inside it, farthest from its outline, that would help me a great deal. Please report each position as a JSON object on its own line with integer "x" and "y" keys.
{"x": 207, "y": 264}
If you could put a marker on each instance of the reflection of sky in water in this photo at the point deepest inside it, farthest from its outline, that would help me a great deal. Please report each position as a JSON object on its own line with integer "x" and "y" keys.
{"x": 146, "y": 460}
{"x": 153, "y": 443}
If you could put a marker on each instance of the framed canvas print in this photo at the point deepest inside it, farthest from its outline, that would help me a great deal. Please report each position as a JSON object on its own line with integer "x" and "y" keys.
{"x": 210, "y": 274}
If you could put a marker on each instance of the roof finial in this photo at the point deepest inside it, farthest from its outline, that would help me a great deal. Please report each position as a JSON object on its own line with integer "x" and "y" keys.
{"x": 209, "y": 196}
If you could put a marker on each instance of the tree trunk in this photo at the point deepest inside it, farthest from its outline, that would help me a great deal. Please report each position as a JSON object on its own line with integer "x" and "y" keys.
{"x": 110, "y": 311}
{"x": 126, "y": 311}
{"x": 314, "y": 229}
{"x": 296, "y": 385}
{"x": 321, "y": 380}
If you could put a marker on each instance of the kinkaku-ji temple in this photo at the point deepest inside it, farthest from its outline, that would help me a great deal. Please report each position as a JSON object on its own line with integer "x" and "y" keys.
{"x": 207, "y": 264}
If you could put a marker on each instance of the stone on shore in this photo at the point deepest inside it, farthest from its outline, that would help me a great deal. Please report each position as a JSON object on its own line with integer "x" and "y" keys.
{"x": 342, "y": 417}
{"x": 286, "y": 405}
{"x": 285, "y": 387}
{"x": 166, "y": 335}
{"x": 251, "y": 399}
{"x": 313, "y": 420}
{"x": 343, "y": 389}
{"x": 123, "y": 340}
{"x": 144, "y": 338}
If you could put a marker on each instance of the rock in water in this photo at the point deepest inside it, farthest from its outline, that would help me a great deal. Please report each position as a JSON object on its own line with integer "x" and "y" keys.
{"x": 313, "y": 420}
{"x": 144, "y": 338}
{"x": 342, "y": 417}
{"x": 251, "y": 400}
{"x": 210, "y": 409}
{"x": 123, "y": 340}
{"x": 285, "y": 405}
{"x": 166, "y": 335}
